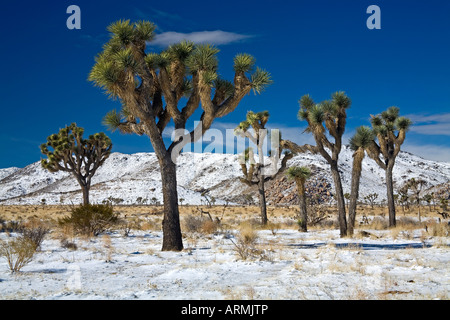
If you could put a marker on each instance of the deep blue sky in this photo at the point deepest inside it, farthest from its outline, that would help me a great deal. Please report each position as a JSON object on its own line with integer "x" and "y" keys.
{"x": 309, "y": 47}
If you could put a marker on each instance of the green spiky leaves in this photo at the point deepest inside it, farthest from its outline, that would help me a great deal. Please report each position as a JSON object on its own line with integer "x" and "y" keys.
{"x": 389, "y": 121}
{"x": 203, "y": 57}
{"x": 403, "y": 123}
{"x": 255, "y": 120}
{"x": 330, "y": 111}
{"x": 260, "y": 80}
{"x": 116, "y": 66}
{"x": 224, "y": 86}
{"x": 362, "y": 139}
{"x": 301, "y": 173}
{"x": 112, "y": 120}
{"x": 181, "y": 51}
{"x": 244, "y": 62}
{"x": 67, "y": 147}
{"x": 127, "y": 32}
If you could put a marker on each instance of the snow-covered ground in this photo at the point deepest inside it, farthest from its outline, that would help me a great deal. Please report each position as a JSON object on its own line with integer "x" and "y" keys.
{"x": 289, "y": 265}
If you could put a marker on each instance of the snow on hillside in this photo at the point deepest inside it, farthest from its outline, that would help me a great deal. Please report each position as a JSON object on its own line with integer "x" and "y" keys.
{"x": 129, "y": 177}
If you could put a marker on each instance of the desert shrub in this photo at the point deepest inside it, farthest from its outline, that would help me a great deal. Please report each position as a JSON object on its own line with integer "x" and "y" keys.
{"x": 209, "y": 227}
{"x": 247, "y": 233}
{"x": 438, "y": 229}
{"x": 17, "y": 252}
{"x": 317, "y": 213}
{"x": 197, "y": 224}
{"x": 409, "y": 223}
{"x": 379, "y": 223}
{"x": 35, "y": 234}
{"x": 66, "y": 244}
{"x": 91, "y": 219}
{"x": 10, "y": 226}
{"x": 246, "y": 240}
{"x": 193, "y": 223}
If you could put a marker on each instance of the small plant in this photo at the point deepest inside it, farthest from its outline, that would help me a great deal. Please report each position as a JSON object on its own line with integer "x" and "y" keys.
{"x": 245, "y": 244}
{"x": 200, "y": 224}
{"x": 35, "y": 234}
{"x": 193, "y": 223}
{"x": 91, "y": 219}
{"x": 68, "y": 244}
{"x": 17, "y": 252}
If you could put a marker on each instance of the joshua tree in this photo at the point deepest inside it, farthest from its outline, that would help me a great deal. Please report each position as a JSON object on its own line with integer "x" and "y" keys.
{"x": 329, "y": 116}
{"x": 404, "y": 197}
{"x": 359, "y": 143}
{"x": 72, "y": 153}
{"x": 150, "y": 87}
{"x": 416, "y": 186}
{"x": 390, "y": 130}
{"x": 428, "y": 198}
{"x": 254, "y": 174}
{"x": 300, "y": 175}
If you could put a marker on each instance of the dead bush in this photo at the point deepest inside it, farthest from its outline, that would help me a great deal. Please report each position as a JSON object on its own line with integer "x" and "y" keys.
{"x": 193, "y": 223}
{"x": 17, "y": 252}
{"x": 438, "y": 229}
{"x": 246, "y": 241}
{"x": 35, "y": 234}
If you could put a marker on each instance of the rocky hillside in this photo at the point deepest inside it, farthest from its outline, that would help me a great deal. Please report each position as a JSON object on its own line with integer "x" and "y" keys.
{"x": 135, "y": 178}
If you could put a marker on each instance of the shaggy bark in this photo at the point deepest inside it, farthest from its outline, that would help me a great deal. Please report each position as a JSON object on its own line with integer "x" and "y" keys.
{"x": 302, "y": 204}
{"x": 354, "y": 193}
{"x": 340, "y": 199}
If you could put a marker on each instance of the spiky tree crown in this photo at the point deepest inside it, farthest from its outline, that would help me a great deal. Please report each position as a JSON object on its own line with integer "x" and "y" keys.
{"x": 328, "y": 115}
{"x": 389, "y": 121}
{"x": 255, "y": 120}
{"x": 390, "y": 129}
{"x": 326, "y": 110}
{"x": 126, "y": 71}
{"x": 301, "y": 173}
{"x": 69, "y": 148}
{"x": 362, "y": 139}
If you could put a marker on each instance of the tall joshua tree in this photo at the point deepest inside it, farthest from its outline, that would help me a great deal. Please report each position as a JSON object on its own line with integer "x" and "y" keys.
{"x": 416, "y": 185}
{"x": 390, "y": 130}
{"x": 359, "y": 143}
{"x": 329, "y": 117}
{"x": 300, "y": 175}
{"x": 255, "y": 174}
{"x": 71, "y": 153}
{"x": 150, "y": 87}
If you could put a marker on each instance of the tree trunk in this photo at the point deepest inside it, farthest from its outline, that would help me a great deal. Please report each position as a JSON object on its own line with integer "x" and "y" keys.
{"x": 390, "y": 194}
{"x": 85, "y": 186}
{"x": 340, "y": 199}
{"x": 85, "y": 190}
{"x": 303, "y": 223}
{"x": 262, "y": 200}
{"x": 354, "y": 193}
{"x": 172, "y": 238}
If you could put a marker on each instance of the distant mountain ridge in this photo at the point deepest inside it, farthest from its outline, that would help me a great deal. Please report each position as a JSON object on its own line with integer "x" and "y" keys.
{"x": 135, "y": 178}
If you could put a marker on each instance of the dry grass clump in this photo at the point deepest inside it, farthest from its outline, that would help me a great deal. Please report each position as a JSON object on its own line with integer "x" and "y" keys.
{"x": 18, "y": 252}
{"x": 197, "y": 224}
{"x": 438, "y": 229}
{"x": 246, "y": 241}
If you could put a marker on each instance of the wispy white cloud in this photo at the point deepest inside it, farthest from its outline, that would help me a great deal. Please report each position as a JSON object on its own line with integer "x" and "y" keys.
{"x": 434, "y": 124}
{"x": 429, "y": 151}
{"x": 217, "y": 37}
